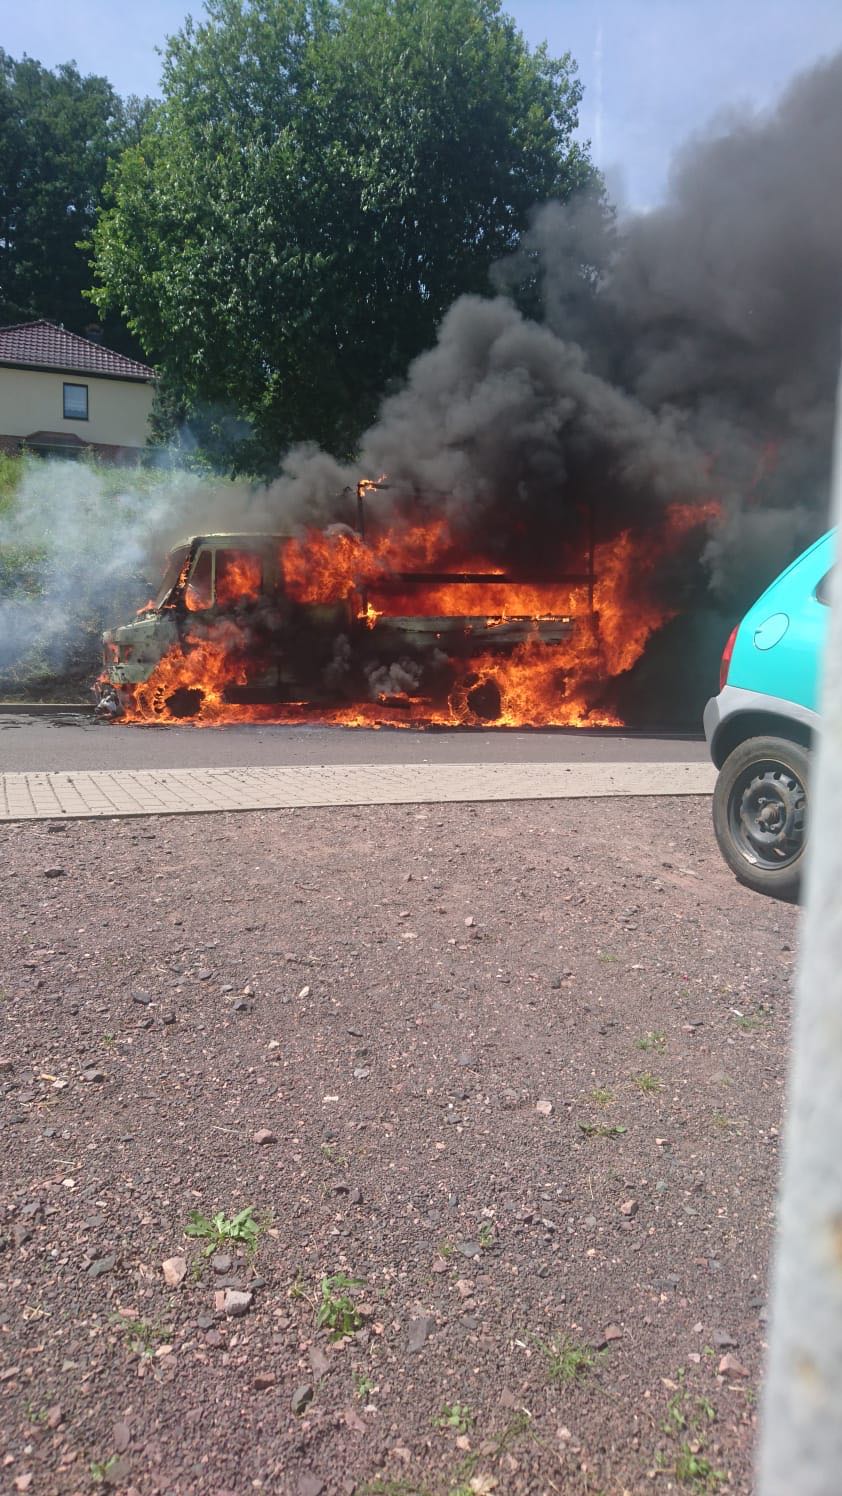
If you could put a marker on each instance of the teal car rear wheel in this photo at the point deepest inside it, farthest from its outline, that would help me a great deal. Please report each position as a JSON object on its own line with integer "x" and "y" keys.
{"x": 760, "y": 813}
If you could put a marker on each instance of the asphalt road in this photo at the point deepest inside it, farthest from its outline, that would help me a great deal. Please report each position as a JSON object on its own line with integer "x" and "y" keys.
{"x": 71, "y": 742}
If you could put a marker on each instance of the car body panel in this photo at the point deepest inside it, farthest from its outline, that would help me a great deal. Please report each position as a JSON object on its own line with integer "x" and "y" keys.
{"x": 774, "y": 676}
{"x": 779, "y": 643}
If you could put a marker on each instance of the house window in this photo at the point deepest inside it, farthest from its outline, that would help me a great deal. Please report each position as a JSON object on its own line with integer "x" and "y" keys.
{"x": 76, "y": 402}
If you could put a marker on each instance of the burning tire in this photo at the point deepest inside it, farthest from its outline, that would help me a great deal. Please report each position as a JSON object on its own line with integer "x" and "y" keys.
{"x": 760, "y": 814}
{"x": 475, "y": 700}
{"x": 185, "y": 702}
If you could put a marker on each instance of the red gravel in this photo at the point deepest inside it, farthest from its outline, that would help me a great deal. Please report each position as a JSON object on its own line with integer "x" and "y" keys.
{"x": 391, "y": 993}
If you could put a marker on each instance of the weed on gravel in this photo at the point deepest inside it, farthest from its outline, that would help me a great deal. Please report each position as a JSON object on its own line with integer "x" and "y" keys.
{"x": 457, "y": 1416}
{"x": 696, "y": 1471}
{"x": 567, "y": 1360}
{"x": 336, "y": 1311}
{"x": 143, "y": 1337}
{"x": 217, "y": 1231}
{"x": 602, "y": 1096}
{"x": 647, "y": 1083}
{"x": 363, "y": 1386}
{"x": 105, "y": 1472}
{"x": 602, "y": 1130}
{"x": 655, "y": 1039}
{"x": 687, "y": 1420}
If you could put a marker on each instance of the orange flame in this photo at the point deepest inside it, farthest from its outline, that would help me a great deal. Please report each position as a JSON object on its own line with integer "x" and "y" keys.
{"x": 329, "y": 565}
{"x": 239, "y": 578}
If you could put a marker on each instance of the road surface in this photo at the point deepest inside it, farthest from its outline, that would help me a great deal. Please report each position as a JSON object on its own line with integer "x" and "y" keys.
{"x": 66, "y": 742}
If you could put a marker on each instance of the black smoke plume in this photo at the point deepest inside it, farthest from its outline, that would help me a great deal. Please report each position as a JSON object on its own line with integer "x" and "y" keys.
{"x": 682, "y": 354}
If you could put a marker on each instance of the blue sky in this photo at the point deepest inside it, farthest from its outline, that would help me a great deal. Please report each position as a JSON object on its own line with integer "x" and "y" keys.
{"x": 655, "y": 71}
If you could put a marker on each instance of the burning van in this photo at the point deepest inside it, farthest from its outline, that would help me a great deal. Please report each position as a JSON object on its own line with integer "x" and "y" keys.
{"x": 406, "y": 625}
{"x": 244, "y": 623}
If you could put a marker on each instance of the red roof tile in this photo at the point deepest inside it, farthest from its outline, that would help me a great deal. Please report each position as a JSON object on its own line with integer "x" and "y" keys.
{"x": 43, "y": 345}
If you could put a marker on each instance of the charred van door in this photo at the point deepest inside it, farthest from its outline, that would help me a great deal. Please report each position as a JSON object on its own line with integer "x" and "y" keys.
{"x": 233, "y": 593}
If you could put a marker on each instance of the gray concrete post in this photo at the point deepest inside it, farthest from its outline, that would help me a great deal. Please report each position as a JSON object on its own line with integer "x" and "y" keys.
{"x": 801, "y": 1435}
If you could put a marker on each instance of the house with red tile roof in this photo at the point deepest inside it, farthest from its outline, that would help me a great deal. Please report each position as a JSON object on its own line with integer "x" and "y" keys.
{"x": 64, "y": 394}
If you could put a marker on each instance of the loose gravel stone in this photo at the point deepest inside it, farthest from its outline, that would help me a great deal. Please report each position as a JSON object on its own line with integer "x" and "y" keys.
{"x": 310, "y": 1485}
{"x": 301, "y": 1397}
{"x": 121, "y": 1437}
{"x": 102, "y": 1265}
{"x": 420, "y": 1330}
{"x": 174, "y": 1270}
{"x": 236, "y": 1303}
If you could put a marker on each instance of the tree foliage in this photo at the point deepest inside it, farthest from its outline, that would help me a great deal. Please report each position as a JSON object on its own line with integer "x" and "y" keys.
{"x": 58, "y": 132}
{"x": 321, "y": 180}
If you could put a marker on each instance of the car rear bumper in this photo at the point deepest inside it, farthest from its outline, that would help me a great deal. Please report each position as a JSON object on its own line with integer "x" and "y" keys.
{"x": 734, "y": 702}
{"x": 712, "y": 719}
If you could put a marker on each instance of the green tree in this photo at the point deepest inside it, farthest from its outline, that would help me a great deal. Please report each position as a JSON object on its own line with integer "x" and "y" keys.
{"x": 58, "y": 132}
{"x": 321, "y": 180}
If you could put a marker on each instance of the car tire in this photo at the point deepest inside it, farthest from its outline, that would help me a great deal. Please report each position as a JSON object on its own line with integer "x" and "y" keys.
{"x": 760, "y": 806}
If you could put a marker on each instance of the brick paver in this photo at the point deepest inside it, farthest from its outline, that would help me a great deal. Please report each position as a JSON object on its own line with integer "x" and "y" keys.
{"x": 43, "y": 796}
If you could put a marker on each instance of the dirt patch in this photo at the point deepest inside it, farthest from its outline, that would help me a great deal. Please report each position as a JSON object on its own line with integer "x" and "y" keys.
{"x": 508, "y": 1077}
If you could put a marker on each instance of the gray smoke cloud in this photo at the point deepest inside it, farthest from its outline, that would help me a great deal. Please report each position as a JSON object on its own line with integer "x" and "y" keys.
{"x": 81, "y": 547}
{"x": 391, "y": 680}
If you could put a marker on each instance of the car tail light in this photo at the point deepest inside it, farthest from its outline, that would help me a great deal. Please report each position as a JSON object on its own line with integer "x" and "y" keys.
{"x": 725, "y": 662}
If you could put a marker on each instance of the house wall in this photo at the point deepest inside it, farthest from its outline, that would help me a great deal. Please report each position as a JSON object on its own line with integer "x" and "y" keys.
{"x": 32, "y": 400}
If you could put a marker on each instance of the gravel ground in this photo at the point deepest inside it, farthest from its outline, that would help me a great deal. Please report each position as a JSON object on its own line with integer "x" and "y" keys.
{"x": 515, "y": 1070}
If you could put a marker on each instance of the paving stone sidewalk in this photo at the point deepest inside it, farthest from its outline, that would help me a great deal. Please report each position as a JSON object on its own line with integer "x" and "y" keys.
{"x": 46, "y": 796}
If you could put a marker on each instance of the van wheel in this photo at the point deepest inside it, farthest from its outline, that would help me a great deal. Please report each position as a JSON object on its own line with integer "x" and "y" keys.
{"x": 760, "y": 814}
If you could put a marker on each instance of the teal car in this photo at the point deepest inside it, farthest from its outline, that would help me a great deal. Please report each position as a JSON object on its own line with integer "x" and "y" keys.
{"x": 761, "y": 727}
